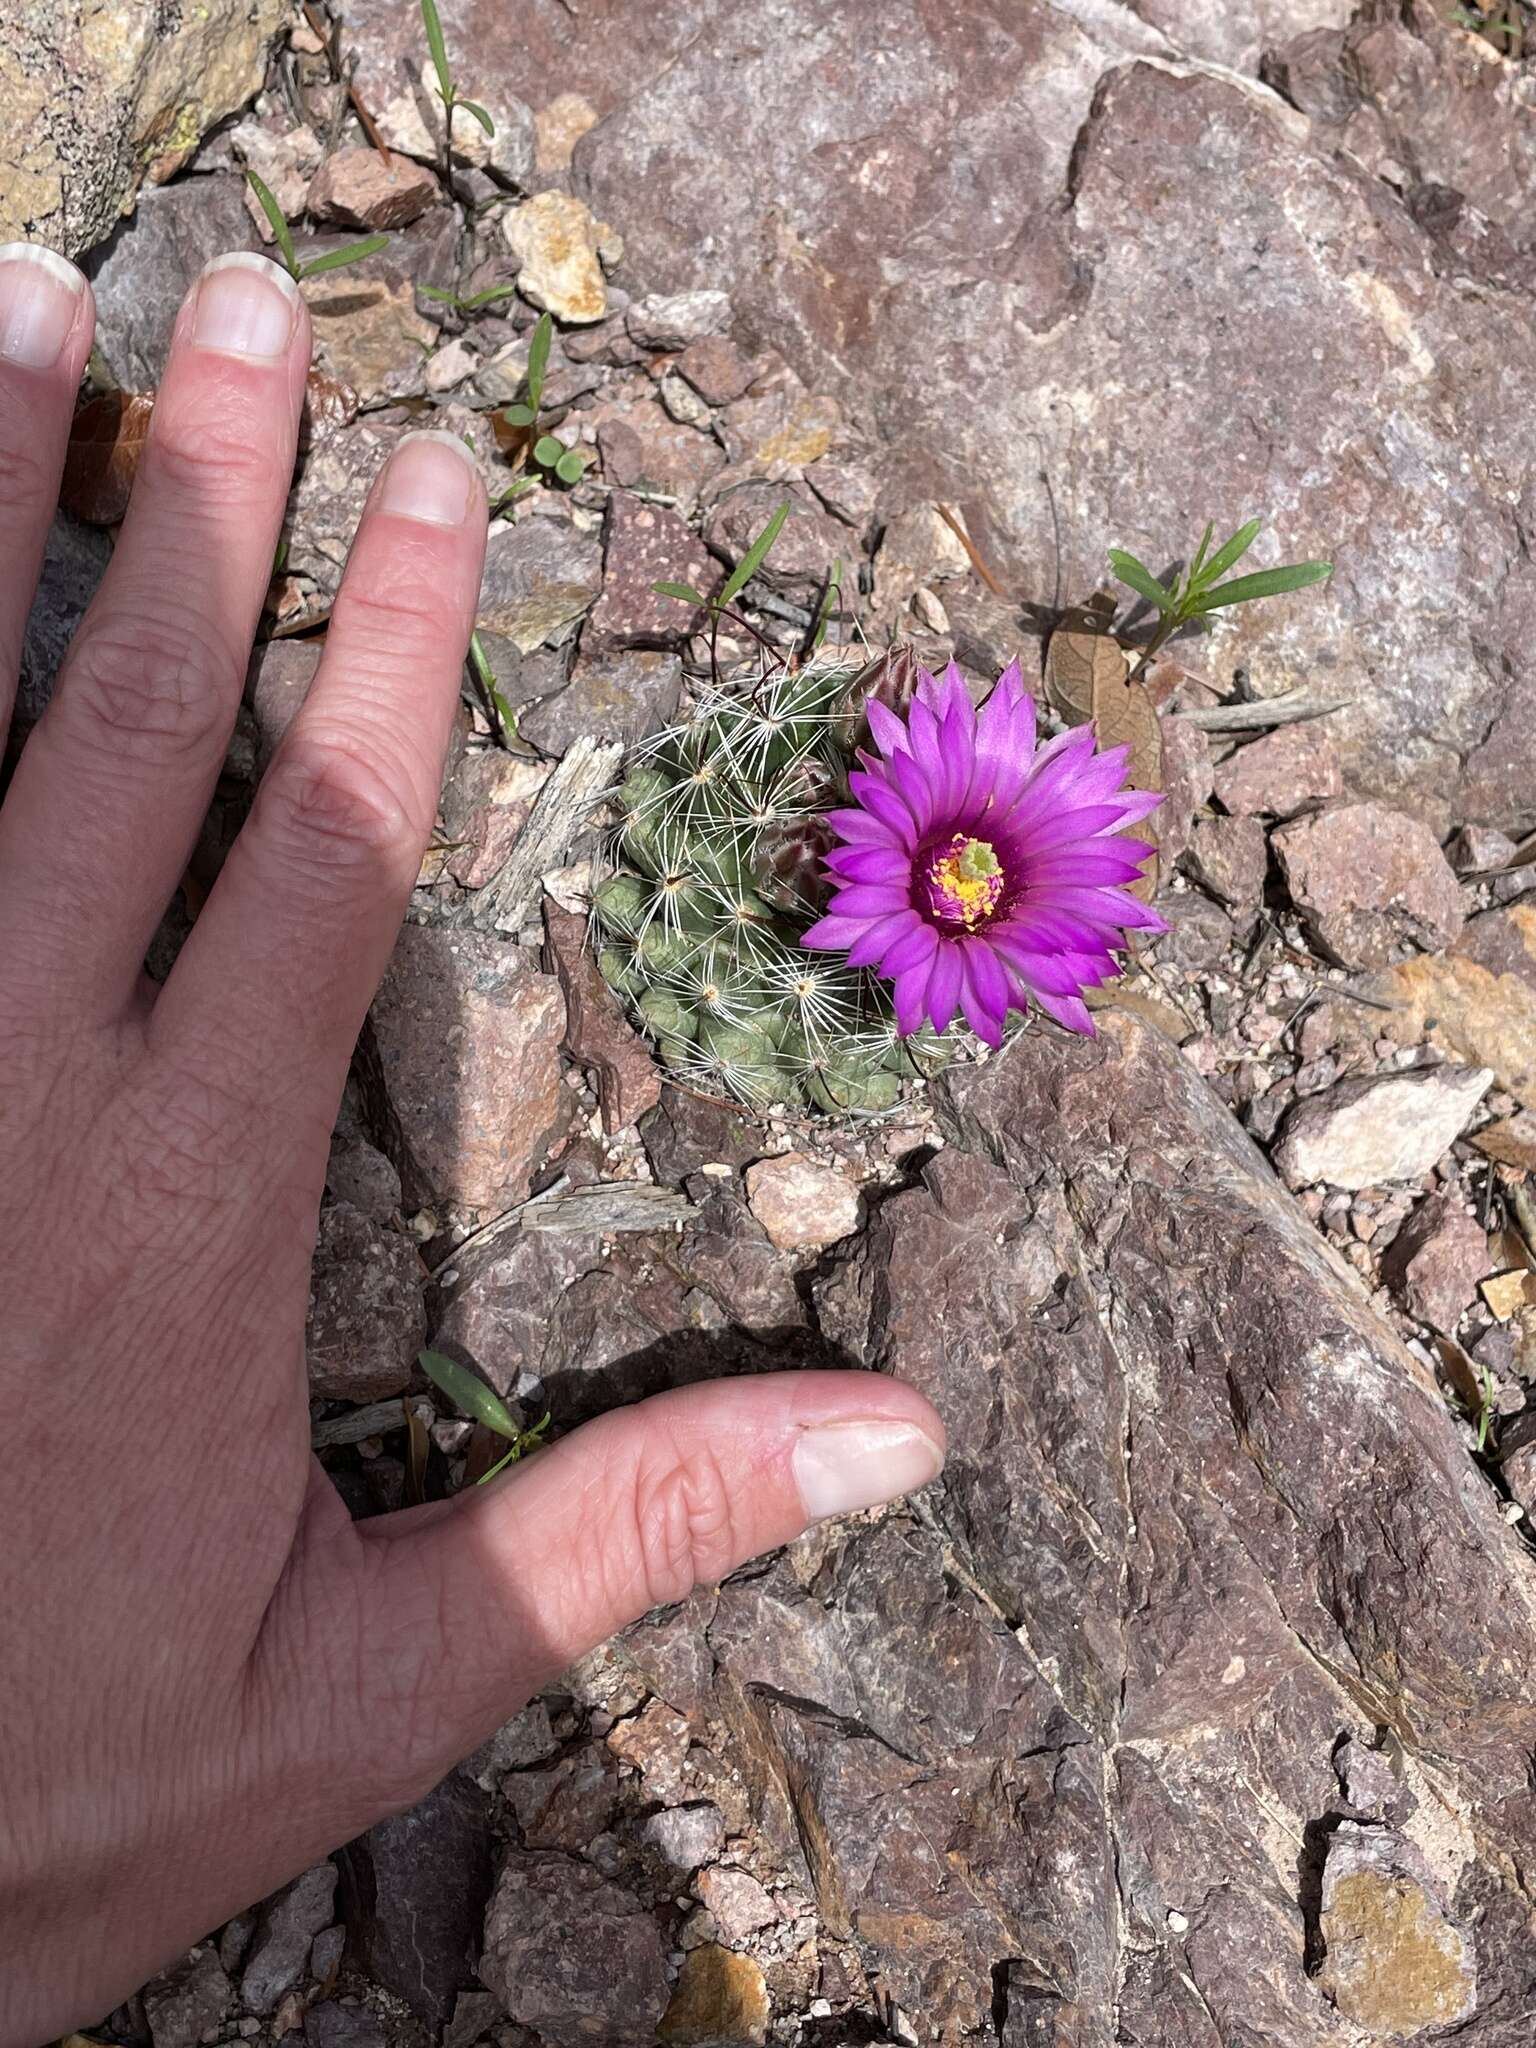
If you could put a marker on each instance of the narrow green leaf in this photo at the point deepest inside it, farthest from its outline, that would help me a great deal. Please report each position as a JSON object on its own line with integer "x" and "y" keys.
{"x": 280, "y": 558}
{"x": 437, "y": 291}
{"x": 519, "y": 415}
{"x": 439, "y": 50}
{"x": 520, "y": 489}
{"x": 505, "y": 713}
{"x": 338, "y": 258}
{"x": 1263, "y": 583}
{"x": 468, "y": 1391}
{"x": 1194, "y": 568}
{"x": 1229, "y": 552}
{"x": 683, "y": 592}
{"x": 274, "y": 213}
{"x": 1140, "y": 579}
{"x": 547, "y": 450}
{"x": 473, "y": 108}
{"x": 753, "y": 559}
{"x": 489, "y": 297}
{"x": 538, "y": 358}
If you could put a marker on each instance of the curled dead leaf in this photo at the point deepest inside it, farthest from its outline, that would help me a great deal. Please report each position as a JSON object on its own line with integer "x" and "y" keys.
{"x": 1083, "y": 651}
{"x": 106, "y": 439}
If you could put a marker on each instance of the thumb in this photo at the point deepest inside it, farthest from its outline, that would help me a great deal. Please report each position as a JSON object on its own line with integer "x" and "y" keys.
{"x": 461, "y": 1610}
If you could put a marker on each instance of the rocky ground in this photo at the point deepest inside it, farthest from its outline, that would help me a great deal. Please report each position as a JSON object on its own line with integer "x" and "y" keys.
{"x": 1193, "y": 1708}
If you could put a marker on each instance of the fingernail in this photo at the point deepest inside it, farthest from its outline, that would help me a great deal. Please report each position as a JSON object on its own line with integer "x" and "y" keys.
{"x": 245, "y": 307}
{"x": 844, "y": 1466}
{"x": 39, "y": 300}
{"x": 430, "y": 476}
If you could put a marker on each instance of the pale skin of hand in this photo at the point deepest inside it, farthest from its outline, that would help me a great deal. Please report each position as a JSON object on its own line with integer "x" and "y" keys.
{"x": 209, "y": 1676}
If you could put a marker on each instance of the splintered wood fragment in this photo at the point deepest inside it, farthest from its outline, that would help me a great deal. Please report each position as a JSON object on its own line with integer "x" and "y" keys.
{"x": 560, "y": 810}
{"x": 1262, "y": 713}
{"x": 609, "y": 1205}
{"x": 378, "y": 1419}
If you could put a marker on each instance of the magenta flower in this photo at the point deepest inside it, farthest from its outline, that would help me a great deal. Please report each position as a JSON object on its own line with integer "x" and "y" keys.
{"x": 978, "y": 874}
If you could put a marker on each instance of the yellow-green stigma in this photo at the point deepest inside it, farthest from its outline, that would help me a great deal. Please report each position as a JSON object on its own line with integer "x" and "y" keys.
{"x": 965, "y": 880}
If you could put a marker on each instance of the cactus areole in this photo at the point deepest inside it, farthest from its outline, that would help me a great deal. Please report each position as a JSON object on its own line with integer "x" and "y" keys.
{"x": 970, "y": 875}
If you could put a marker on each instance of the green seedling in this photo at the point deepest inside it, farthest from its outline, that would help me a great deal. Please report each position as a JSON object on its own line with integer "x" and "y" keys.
{"x": 474, "y": 302}
{"x": 335, "y": 259}
{"x": 451, "y": 97}
{"x": 469, "y": 1393}
{"x": 1200, "y": 590}
{"x": 485, "y": 676}
{"x": 564, "y": 465}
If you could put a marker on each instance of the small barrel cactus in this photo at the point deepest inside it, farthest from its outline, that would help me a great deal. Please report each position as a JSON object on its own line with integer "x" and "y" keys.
{"x": 716, "y": 876}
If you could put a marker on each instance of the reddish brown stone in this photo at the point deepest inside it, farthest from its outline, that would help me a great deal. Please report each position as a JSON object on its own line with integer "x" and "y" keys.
{"x": 596, "y": 1032}
{"x": 468, "y": 1036}
{"x": 356, "y": 188}
{"x": 641, "y": 444}
{"x": 1229, "y": 857}
{"x": 1370, "y": 882}
{"x": 1280, "y": 773}
{"x": 645, "y": 545}
{"x": 1436, "y": 1261}
{"x": 716, "y": 368}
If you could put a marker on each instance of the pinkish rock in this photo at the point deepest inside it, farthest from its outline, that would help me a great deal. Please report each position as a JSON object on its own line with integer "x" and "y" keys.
{"x": 484, "y": 808}
{"x": 468, "y": 1037}
{"x": 597, "y": 1034}
{"x": 641, "y": 444}
{"x": 800, "y": 1203}
{"x": 1379, "y": 1127}
{"x": 1229, "y": 857}
{"x": 1436, "y": 1261}
{"x": 1187, "y": 775}
{"x": 737, "y": 1901}
{"x": 645, "y": 545}
{"x": 573, "y": 1958}
{"x": 1370, "y": 883}
{"x": 356, "y": 188}
{"x": 1476, "y": 848}
{"x": 1277, "y": 775}
{"x": 716, "y": 368}
{"x": 367, "y": 1320}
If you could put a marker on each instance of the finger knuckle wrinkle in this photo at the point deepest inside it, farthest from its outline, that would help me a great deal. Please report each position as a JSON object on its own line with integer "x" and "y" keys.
{"x": 332, "y": 806}
{"x": 220, "y": 462}
{"x": 156, "y": 691}
{"x": 405, "y": 610}
{"x": 28, "y": 482}
{"x": 684, "y": 1525}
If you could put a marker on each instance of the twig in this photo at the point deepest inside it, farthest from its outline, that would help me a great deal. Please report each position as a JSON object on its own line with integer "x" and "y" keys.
{"x": 1263, "y": 713}
{"x": 560, "y": 810}
{"x": 363, "y": 115}
{"x": 969, "y": 545}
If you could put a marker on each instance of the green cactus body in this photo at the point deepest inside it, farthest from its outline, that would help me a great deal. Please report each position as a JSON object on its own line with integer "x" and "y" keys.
{"x": 716, "y": 862}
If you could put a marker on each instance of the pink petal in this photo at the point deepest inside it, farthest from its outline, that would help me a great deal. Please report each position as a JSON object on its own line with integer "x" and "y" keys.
{"x": 860, "y": 829}
{"x": 870, "y": 864}
{"x": 914, "y": 949}
{"x": 944, "y": 985}
{"x": 883, "y": 803}
{"x": 984, "y": 993}
{"x": 868, "y": 899}
{"x": 832, "y": 934}
{"x": 876, "y": 937}
{"x": 890, "y": 734}
{"x": 911, "y": 992}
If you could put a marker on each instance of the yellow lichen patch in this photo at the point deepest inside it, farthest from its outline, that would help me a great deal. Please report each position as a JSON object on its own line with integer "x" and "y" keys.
{"x": 720, "y": 1996}
{"x": 1395, "y": 1965}
{"x": 1486, "y": 1019}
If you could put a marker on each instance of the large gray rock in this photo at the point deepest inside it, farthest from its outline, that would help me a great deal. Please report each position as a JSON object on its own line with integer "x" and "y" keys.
{"x": 1037, "y": 250}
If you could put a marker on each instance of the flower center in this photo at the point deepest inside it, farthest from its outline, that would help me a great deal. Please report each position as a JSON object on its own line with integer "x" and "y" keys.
{"x": 964, "y": 880}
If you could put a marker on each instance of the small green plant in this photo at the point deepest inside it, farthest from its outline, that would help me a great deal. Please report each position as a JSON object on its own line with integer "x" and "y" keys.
{"x": 739, "y": 577}
{"x": 565, "y": 465}
{"x": 468, "y": 1392}
{"x": 485, "y": 676}
{"x": 354, "y": 252}
{"x": 1200, "y": 591}
{"x": 475, "y": 302}
{"x": 451, "y": 97}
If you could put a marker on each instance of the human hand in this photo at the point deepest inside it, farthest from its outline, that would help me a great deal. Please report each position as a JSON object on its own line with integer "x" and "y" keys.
{"x": 210, "y": 1676}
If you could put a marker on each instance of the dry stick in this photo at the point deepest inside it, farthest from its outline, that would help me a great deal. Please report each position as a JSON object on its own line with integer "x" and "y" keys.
{"x": 559, "y": 812}
{"x": 969, "y": 545}
{"x": 1260, "y": 715}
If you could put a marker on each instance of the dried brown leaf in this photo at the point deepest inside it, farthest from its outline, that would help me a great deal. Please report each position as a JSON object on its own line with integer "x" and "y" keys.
{"x": 105, "y": 442}
{"x": 1082, "y": 650}
{"x": 1123, "y": 716}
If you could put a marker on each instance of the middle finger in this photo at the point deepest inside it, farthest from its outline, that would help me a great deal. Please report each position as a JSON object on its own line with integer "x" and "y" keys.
{"x": 131, "y": 746}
